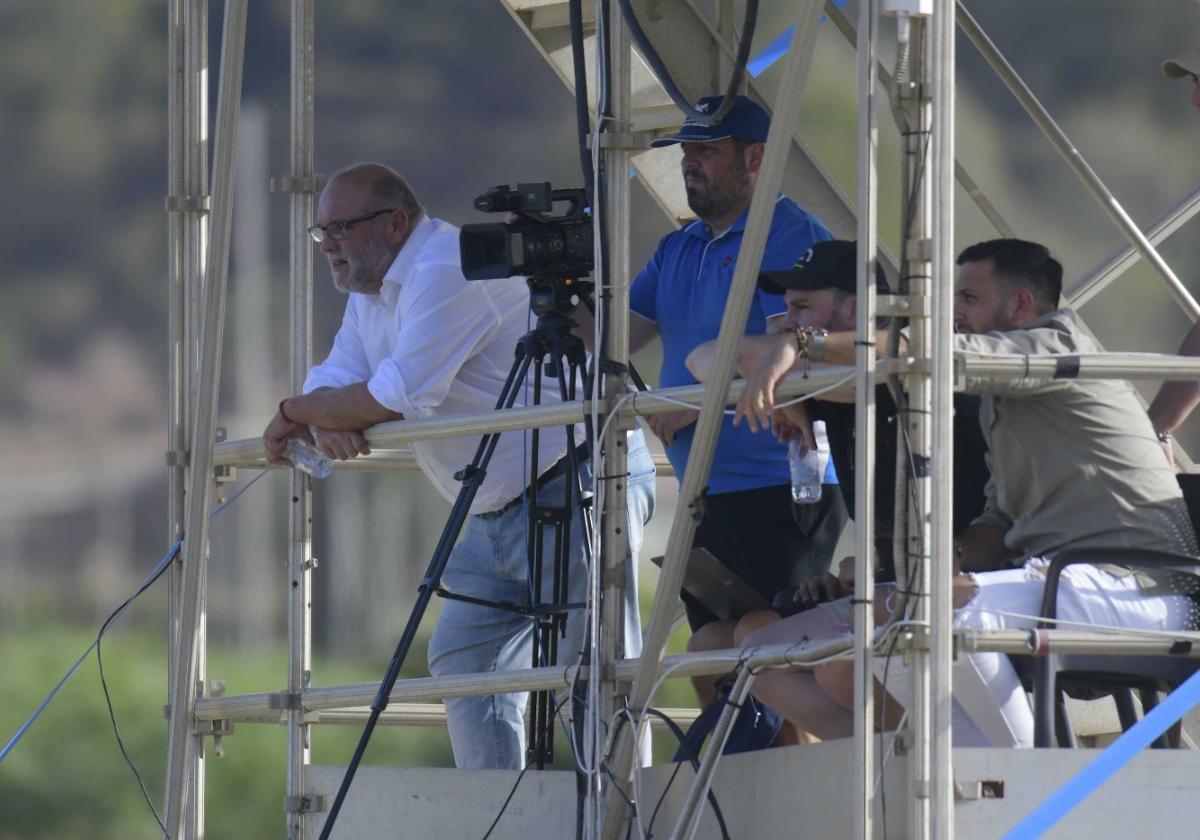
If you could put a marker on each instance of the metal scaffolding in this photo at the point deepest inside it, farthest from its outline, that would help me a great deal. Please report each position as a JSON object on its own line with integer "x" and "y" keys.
{"x": 199, "y": 250}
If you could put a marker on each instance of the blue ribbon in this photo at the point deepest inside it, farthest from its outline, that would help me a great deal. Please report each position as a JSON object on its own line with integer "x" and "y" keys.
{"x": 1161, "y": 718}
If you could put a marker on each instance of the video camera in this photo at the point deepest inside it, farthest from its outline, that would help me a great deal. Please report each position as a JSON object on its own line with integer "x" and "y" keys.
{"x": 540, "y": 246}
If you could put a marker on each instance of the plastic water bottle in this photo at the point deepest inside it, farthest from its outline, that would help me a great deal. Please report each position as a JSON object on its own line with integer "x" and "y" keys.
{"x": 805, "y": 467}
{"x": 309, "y": 460}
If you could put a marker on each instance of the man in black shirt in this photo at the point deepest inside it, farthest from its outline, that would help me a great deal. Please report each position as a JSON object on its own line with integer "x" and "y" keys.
{"x": 820, "y": 292}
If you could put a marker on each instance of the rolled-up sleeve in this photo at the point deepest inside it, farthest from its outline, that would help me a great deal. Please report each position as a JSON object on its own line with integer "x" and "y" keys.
{"x": 444, "y": 325}
{"x": 347, "y": 362}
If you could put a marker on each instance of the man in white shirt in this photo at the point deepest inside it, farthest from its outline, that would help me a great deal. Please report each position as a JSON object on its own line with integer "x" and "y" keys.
{"x": 417, "y": 340}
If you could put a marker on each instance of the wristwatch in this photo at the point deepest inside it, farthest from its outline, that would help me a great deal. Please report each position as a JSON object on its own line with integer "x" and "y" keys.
{"x": 810, "y": 343}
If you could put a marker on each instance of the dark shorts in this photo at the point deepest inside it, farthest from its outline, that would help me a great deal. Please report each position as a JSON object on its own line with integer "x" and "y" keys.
{"x": 767, "y": 540}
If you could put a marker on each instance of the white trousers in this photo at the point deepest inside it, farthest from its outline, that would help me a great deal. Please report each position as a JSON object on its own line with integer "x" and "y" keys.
{"x": 990, "y": 705}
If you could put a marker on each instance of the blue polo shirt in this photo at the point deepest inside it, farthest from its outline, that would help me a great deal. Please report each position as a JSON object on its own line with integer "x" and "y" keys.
{"x": 683, "y": 290}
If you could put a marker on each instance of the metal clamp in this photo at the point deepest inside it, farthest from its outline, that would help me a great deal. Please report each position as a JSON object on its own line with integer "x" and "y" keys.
{"x": 178, "y": 458}
{"x": 295, "y": 184}
{"x": 903, "y": 306}
{"x": 307, "y": 804}
{"x": 189, "y": 203}
{"x": 916, "y": 637}
{"x": 289, "y": 700}
{"x": 216, "y": 728}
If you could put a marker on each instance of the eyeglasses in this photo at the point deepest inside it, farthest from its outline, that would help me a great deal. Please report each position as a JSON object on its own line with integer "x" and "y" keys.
{"x": 337, "y": 230}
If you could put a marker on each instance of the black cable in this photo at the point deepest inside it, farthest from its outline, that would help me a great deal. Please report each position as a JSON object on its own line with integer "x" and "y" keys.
{"x": 524, "y": 770}
{"x": 582, "y": 122}
{"x": 693, "y": 759}
{"x": 901, "y": 400}
{"x": 108, "y": 699}
{"x": 504, "y": 807}
{"x": 664, "y": 77}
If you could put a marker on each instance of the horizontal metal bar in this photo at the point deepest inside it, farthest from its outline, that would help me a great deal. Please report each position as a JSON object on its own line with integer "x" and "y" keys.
{"x": 385, "y": 437}
{"x": 396, "y": 714}
{"x": 249, "y": 451}
{"x": 1081, "y": 366}
{"x": 251, "y": 707}
{"x": 414, "y": 701}
{"x": 1093, "y": 643}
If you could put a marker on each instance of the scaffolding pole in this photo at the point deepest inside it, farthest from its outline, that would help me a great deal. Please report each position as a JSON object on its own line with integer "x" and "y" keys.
{"x": 184, "y": 747}
{"x": 187, "y": 227}
{"x": 733, "y": 326}
{"x": 941, "y": 288}
{"x": 615, "y": 152}
{"x": 885, "y": 80}
{"x": 914, "y": 564}
{"x": 1116, "y": 264}
{"x": 339, "y": 703}
{"x": 300, "y": 186}
{"x": 1075, "y": 160}
{"x": 864, "y": 418}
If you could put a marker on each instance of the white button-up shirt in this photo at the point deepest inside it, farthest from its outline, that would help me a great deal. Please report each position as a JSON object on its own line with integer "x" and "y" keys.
{"x": 432, "y": 344}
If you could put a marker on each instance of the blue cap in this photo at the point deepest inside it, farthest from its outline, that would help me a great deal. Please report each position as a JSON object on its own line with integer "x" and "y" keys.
{"x": 746, "y": 120}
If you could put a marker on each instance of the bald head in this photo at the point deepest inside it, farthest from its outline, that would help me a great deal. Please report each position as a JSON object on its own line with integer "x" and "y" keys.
{"x": 383, "y": 185}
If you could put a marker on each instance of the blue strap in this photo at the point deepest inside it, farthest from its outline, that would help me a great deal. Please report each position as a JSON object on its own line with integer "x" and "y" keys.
{"x": 1161, "y": 718}
{"x": 777, "y": 49}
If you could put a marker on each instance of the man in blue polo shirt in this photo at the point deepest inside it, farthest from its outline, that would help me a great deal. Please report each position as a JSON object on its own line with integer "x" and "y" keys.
{"x": 750, "y": 523}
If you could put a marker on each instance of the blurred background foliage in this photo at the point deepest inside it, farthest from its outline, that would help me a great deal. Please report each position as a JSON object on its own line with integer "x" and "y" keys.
{"x": 453, "y": 95}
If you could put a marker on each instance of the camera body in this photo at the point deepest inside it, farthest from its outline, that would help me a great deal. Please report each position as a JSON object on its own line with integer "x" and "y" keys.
{"x": 541, "y": 246}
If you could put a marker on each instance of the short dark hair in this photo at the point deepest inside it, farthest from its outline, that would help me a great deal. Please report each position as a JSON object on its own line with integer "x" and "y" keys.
{"x": 1018, "y": 262}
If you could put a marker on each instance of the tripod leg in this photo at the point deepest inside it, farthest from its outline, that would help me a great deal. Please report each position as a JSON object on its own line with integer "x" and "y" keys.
{"x": 472, "y": 476}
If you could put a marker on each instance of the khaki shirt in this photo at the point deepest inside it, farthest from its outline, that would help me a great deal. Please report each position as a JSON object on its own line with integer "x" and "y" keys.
{"x": 1074, "y": 462}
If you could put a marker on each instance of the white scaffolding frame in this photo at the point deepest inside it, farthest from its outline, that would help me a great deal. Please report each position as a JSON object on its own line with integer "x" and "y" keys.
{"x": 198, "y": 252}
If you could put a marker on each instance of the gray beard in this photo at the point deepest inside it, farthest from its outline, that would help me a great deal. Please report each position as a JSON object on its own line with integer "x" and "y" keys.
{"x": 366, "y": 269}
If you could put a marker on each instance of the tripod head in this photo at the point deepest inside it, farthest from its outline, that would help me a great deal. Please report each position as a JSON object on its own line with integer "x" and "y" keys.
{"x": 553, "y": 300}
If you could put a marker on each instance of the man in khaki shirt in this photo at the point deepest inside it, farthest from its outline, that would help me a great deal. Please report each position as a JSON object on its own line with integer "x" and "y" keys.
{"x": 1075, "y": 463}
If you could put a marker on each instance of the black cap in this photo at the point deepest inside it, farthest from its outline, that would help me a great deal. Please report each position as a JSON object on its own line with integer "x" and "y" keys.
{"x": 826, "y": 265}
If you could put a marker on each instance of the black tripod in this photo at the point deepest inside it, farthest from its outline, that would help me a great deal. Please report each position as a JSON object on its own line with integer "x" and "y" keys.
{"x": 554, "y": 351}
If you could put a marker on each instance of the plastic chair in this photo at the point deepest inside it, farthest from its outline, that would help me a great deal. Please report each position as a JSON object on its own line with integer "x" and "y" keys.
{"x": 1088, "y": 677}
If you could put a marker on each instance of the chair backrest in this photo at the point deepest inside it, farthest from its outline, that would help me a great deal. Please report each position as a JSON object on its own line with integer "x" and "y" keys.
{"x": 1189, "y": 483}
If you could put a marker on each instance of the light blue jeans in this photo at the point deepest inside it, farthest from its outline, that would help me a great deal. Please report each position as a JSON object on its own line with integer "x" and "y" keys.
{"x": 490, "y": 562}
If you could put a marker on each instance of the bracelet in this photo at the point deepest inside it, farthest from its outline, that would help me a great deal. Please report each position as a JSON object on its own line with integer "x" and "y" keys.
{"x": 801, "y": 342}
{"x": 810, "y": 343}
{"x": 1163, "y": 437}
{"x": 283, "y": 413}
